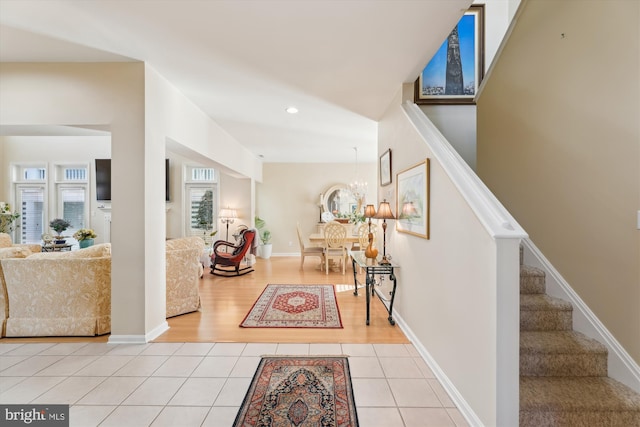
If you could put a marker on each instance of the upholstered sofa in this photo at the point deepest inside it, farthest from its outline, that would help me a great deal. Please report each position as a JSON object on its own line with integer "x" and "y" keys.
{"x": 184, "y": 270}
{"x": 8, "y": 252}
{"x": 6, "y": 242}
{"x": 59, "y": 293}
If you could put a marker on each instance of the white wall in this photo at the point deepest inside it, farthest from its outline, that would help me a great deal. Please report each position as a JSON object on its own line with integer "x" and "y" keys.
{"x": 447, "y": 285}
{"x": 52, "y": 150}
{"x": 142, "y": 112}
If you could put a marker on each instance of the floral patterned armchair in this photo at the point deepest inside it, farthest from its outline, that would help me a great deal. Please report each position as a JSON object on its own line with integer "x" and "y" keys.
{"x": 184, "y": 270}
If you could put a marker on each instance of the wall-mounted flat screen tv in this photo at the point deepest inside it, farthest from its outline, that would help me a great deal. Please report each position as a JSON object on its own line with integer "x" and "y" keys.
{"x": 103, "y": 180}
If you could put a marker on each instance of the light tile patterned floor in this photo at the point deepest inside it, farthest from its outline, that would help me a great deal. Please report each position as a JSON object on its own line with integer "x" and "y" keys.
{"x": 203, "y": 384}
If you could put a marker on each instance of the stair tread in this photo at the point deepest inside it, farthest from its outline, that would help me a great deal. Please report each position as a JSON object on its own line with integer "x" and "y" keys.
{"x": 576, "y": 394}
{"x": 559, "y": 342}
{"x": 543, "y": 302}
{"x": 529, "y": 270}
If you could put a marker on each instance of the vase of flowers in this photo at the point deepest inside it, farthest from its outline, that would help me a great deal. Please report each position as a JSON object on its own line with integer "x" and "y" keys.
{"x": 85, "y": 237}
{"x": 59, "y": 225}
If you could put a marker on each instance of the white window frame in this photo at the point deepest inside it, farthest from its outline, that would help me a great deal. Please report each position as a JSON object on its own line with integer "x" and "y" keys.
{"x": 18, "y": 187}
{"x": 206, "y": 184}
{"x": 62, "y": 183}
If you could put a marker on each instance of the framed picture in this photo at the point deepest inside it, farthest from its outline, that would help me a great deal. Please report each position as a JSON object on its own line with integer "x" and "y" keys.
{"x": 454, "y": 73}
{"x": 385, "y": 168}
{"x": 412, "y": 189}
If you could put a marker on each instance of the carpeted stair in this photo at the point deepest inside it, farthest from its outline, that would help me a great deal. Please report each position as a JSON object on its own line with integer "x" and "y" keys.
{"x": 563, "y": 373}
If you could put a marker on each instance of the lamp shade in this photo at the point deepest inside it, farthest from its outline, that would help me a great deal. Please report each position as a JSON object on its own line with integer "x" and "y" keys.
{"x": 384, "y": 211}
{"x": 228, "y": 213}
{"x": 369, "y": 211}
{"x": 408, "y": 209}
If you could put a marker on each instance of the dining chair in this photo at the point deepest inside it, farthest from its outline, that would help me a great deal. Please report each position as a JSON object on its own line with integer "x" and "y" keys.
{"x": 335, "y": 236}
{"x": 307, "y": 249}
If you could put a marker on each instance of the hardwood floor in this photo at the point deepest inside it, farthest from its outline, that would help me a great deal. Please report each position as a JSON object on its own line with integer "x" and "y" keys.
{"x": 226, "y": 301}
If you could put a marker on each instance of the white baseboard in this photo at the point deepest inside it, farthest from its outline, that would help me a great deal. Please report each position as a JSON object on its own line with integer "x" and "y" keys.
{"x": 462, "y": 405}
{"x": 621, "y": 366}
{"x": 140, "y": 339}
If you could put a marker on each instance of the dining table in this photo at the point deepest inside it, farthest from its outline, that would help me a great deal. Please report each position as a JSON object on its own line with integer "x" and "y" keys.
{"x": 317, "y": 239}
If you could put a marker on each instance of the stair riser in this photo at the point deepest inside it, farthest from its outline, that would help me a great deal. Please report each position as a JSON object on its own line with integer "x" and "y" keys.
{"x": 545, "y": 320}
{"x": 563, "y": 365}
{"x": 578, "y": 418}
{"x": 532, "y": 284}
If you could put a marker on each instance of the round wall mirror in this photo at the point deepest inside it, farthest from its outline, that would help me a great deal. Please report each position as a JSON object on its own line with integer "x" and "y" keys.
{"x": 338, "y": 199}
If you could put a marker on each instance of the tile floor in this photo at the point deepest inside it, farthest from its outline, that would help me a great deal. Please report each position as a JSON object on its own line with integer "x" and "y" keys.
{"x": 203, "y": 384}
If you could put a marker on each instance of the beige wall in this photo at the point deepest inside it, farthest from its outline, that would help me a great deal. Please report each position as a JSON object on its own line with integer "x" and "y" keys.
{"x": 290, "y": 193}
{"x": 559, "y": 144}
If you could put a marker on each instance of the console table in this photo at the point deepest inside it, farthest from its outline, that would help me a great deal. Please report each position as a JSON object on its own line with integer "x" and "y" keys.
{"x": 51, "y": 247}
{"x": 371, "y": 268}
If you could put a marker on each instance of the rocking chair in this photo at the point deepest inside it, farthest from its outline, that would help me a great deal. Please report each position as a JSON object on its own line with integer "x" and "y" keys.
{"x": 224, "y": 257}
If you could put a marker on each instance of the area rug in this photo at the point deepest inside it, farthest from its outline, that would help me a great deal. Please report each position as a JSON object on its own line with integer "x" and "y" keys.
{"x": 295, "y": 306}
{"x": 300, "y": 392}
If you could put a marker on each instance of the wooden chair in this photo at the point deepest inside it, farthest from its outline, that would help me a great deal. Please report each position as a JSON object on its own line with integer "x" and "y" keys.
{"x": 225, "y": 258}
{"x": 335, "y": 236}
{"x": 308, "y": 250}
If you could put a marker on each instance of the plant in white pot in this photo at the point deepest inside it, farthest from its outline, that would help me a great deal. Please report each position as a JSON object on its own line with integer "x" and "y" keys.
{"x": 265, "y": 249}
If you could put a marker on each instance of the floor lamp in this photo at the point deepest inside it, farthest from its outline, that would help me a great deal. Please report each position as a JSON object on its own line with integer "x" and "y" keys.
{"x": 384, "y": 213}
{"x": 227, "y": 216}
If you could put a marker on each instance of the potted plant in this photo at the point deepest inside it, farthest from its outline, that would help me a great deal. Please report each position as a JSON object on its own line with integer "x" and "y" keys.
{"x": 7, "y": 218}
{"x": 85, "y": 237}
{"x": 59, "y": 225}
{"x": 265, "y": 249}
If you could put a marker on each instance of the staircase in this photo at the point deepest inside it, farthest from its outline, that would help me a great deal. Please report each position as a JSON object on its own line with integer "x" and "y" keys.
{"x": 563, "y": 373}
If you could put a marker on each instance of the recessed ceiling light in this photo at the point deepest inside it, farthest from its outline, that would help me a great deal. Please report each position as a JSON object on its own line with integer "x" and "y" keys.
{"x": 291, "y": 110}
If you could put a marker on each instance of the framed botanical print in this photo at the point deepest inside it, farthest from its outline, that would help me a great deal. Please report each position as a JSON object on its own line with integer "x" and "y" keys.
{"x": 413, "y": 200}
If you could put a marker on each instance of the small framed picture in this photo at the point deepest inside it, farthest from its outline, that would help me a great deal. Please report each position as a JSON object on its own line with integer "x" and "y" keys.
{"x": 385, "y": 168}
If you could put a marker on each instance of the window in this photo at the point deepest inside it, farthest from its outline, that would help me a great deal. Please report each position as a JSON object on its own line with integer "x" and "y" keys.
{"x": 201, "y": 211}
{"x": 72, "y": 206}
{"x": 72, "y": 195}
{"x": 201, "y": 202}
{"x": 31, "y": 206}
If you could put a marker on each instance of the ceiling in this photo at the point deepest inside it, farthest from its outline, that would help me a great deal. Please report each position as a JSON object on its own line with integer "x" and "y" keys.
{"x": 243, "y": 62}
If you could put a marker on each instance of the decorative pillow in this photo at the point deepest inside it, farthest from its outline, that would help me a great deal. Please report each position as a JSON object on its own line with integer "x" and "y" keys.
{"x": 14, "y": 252}
{"x": 5, "y": 240}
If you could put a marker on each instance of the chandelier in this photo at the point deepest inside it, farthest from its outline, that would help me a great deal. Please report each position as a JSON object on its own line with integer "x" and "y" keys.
{"x": 358, "y": 187}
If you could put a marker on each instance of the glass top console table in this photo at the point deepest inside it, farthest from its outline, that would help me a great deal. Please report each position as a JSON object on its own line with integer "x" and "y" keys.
{"x": 371, "y": 268}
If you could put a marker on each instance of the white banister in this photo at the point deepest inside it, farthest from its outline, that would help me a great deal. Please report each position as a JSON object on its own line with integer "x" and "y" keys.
{"x": 495, "y": 218}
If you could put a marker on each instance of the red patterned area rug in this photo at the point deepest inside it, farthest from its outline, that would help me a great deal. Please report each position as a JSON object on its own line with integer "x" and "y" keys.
{"x": 300, "y": 392}
{"x": 295, "y": 306}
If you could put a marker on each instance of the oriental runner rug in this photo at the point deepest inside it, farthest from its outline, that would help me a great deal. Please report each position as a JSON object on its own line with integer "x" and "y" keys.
{"x": 300, "y": 392}
{"x": 295, "y": 306}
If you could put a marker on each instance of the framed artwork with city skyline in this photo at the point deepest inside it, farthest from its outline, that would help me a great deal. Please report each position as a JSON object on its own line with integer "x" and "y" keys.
{"x": 454, "y": 73}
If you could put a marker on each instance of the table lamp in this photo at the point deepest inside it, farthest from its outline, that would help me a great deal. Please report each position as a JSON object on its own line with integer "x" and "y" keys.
{"x": 384, "y": 213}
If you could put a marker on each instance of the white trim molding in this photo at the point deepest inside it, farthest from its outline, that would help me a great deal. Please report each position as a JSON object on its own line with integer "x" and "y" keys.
{"x": 140, "y": 339}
